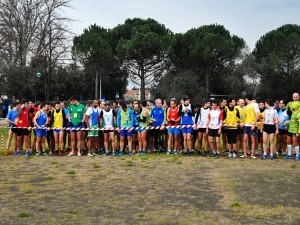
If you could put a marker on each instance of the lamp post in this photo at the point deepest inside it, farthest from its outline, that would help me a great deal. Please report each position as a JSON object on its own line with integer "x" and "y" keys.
{"x": 39, "y": 74}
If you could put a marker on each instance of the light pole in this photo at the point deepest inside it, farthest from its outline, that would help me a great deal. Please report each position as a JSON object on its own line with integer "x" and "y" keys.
{"x": 39, "y": 74}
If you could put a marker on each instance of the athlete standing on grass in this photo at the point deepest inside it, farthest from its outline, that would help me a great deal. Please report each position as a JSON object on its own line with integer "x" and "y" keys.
{"x": 173, "y": 132}
{"x": 270, "y": 127}
{"x": 250, "y": 128}
{"x": 124, "y": 124}
{"x": 283, "y": 118}
{"x": 58, "y": 121}
{"x": 135, "y": 114}
{"x": 143, "y": 123}
{"x": 40, "y": 121}
{"x": 293, "y": 131}
{"x": 22, "y": 129}
{"x": 108, "y": 121}
{"x": 76, "y": 117}
{"x": 158, "y": 119}
{"x": 92, "y": 120}
{"x": 240, "y": 131}
{"x": 12, "y": 118}
{"x": 186, "y": 111}
{"x": 231, "y": 118}
{"x": 214, "y": 130}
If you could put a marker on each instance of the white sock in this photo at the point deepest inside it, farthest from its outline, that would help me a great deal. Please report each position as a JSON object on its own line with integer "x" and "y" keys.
{"x": 289, "y": 147}
{"x": 297, "y": 150}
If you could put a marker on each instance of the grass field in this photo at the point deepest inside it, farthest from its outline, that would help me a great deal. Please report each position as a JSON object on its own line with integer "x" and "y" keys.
{"x": 152, "y": 189}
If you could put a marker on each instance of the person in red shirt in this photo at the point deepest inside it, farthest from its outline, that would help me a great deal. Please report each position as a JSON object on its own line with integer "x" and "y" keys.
{"x": 173, "y": 119}
{"x": 23, "y": 123}
{"x": 32, "y": 111}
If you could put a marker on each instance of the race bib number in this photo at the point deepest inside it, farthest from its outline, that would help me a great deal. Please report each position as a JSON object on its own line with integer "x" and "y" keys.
{"x": 75, "y": 115}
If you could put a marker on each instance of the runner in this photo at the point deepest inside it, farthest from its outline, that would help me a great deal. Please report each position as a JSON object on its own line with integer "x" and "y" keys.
{"x": 158, "y": 119}
{"x": 23, "y": 129}
{"x": 135, "y": 114}
{"x": 240, "y": 131}
{"x": 186, "y": 111}
{"x": 76, "y": 117}
{"x": 108, "y": 121}
{"x": 202, "y": 126}
{"x": 214, "y": 129}
{"x": 292, "y": 138}
{"x": 92, "y": 120}
{"x": 143, "y": 123}
{"x": 59, "y": 121}
{"x": 270, "y": 127}
{"x": 231, "y": 118}
{"x": 250, "y": 128}
{"x": 40, "y": 121}
{"x": 12, "y": 119}
{"x": 283, "y": 119}
{"x": 173, "y": 120}
{"x": 224, "y": 137}
{"x": 124, "y": 124}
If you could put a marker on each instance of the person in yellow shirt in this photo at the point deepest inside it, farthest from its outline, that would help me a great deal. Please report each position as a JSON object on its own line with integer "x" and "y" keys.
{"x": 240, "y": 131}
{"x": 231, "y": 118}
{"x": 58, "y": 121}
{"x": 250, "y": 128}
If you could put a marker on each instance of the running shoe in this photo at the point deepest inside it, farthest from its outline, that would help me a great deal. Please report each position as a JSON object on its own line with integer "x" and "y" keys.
{"x": 121, "y": 153}
{"x": 253, "y": 157}
{"x": 297, "y": 158}
{"x": 185, "y": 152}
{"x": 91, "y": 155}
{"x": 218, "y": 155}
{"x": 143, "y": 153}
{"x": 243, "y": 156}
{"x": 271, "y": 156}
{"x": 168, "y": 152}
{"x": 130, "y": 153}
{"x": 7, "y": 152}
{"x": 106, "y": 153}
{"x": 44, "y": 154}
{"x": 70, "y": 154}
{"x": 229, "y": 155}
{"x": 288, "y": 157}
{"x": 113, "y": 152}
{"x": 37, "y": 154}
{"x": 234, "y": 155}
{"x": 175, "y": 152}
{"x": 27, "y": 154}
{"x": 78, "y": 153}
{"x": 17, "y": 153}
{"x": 263, "y": 157}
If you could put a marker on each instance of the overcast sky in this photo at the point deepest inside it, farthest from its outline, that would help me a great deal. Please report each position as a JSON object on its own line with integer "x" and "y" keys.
{"x": 249, "y": 19}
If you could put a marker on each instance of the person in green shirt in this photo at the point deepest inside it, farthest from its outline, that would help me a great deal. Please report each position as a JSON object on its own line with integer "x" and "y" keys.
{"x": 76, "y": 119}
{"x": 292, "y": 136}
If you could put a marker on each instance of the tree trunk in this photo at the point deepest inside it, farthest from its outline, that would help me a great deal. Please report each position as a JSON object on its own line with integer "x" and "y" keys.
{"x": 142, "y": 97}
{"x": 96, "y": 83}
{"x": 207, "y": 91}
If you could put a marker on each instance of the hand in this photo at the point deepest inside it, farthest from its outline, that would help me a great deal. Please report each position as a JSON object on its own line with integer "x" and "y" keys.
{"x": 252, "y": 127}
{"x": 219, "y": 131}
{"x": 207, "y": 130}
{"x": 277, "y": 131}
{"x": 154, "y": 120}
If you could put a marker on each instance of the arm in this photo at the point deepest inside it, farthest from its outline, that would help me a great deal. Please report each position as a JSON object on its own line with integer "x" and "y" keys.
{"x": 119, "y": 118}
{"x": 36, "y": 116}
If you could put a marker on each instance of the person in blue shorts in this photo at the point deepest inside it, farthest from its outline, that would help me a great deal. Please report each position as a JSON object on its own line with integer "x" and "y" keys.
{"x": 123, "y": 125}
{"x": 12, "y": 118}
{"x": 186, "y": 111}
{"x": 40, "y": 121}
